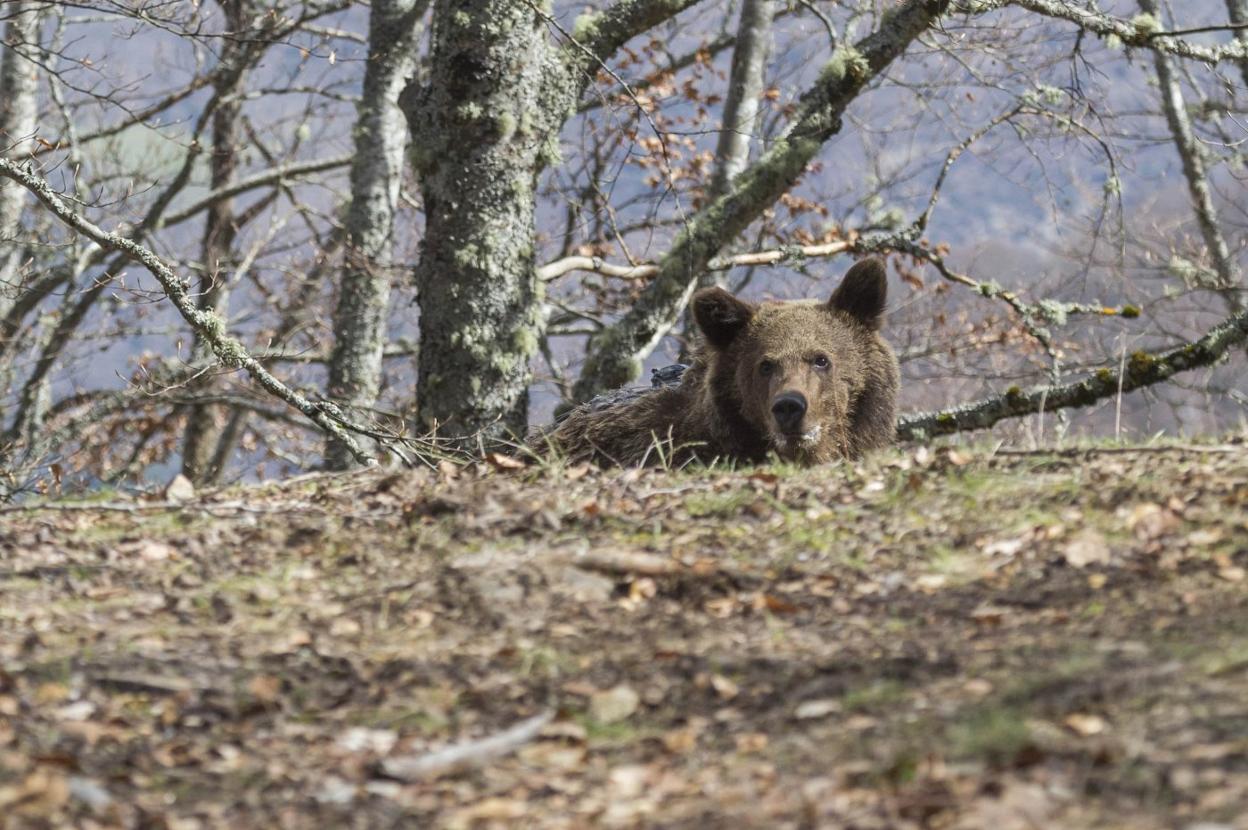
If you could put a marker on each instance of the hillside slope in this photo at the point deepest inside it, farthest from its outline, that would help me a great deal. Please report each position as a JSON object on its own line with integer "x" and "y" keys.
{"x": 931, "y": 639}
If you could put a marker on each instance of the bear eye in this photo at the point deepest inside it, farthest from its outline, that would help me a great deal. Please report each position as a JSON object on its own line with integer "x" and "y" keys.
{"x": 820, "y": 361}
{"x": 766, "y": 367}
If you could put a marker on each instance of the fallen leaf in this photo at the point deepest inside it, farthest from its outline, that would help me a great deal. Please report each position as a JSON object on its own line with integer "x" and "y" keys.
{"x": 725, "y": 688}
{"x": 1085, "y": 725}
{"x": 265, "y": 687}
{"x": 1005, "y": 547}
{"x": 680, "y": 741}
{"x": 1232, "y": 573}
{"x": 149, "y": 550}
{"x": 774, "y": 604}
{"x": 491, "y": 809}
{"x": 813, "y": 709}
{"x": 504, "y": 462}
{"x": 344, "y": 627}
{"x": 1150, "y": 521}
{"x": 363, "y": 739}
{"x": 628, "y": 781}
{"x": 988, "y": 615}
{"x": 577, "y": 472}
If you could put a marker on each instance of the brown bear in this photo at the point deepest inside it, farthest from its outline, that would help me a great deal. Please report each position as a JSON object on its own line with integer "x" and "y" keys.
{"x": 806, "y": 381}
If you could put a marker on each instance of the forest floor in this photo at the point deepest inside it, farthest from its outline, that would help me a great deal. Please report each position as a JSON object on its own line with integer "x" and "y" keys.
{"x": 949, "y": 638}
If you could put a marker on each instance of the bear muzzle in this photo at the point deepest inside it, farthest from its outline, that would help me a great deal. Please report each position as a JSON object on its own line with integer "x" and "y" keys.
{"x": 788, "y": 409}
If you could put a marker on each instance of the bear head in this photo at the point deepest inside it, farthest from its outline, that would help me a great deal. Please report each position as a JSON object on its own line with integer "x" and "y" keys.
{"x": 793, "y": 372}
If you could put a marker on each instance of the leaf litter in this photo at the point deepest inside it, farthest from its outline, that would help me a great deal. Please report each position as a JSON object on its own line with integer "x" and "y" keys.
{"x": 949, "y": 638}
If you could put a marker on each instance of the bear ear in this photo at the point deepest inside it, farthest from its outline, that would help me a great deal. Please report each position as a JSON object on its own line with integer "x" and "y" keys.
{"x": 720, "y": 316}
{"x": 862, "y": 293}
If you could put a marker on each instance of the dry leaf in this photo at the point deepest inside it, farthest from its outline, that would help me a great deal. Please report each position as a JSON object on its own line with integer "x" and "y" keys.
{"x": 1085, "y": 725}
{"x": 812, "y": 709}
{"x": 1231, "y": 573}
{"x": 724, "y": 687}
{"x": 265, "y": 688}
{"x": 989, "y": 615}
{"x": 504, "y": 462}
{"x": 1149, "y": 521}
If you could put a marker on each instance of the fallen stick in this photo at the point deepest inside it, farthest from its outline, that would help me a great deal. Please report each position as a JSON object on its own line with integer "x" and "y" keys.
{"x": 625, "y": 562}
{"x": 463, "y": 756}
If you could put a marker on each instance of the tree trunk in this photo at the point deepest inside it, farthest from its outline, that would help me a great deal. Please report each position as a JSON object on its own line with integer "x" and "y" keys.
{"x": 745, "y": 91}
{"x": 479, "y": 132}
{"x": 376, "y": 174}
{"x": 483, "y": 128}
{"x": 205, "y": 421}
{"x": 19, "y": 82}
{"x": 740, "y": 118}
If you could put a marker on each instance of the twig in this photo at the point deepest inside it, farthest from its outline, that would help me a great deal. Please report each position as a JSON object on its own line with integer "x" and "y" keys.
{"x": 211, "y": 508}
{"x": 776, "y": 256}
{"x": 1104, "y": 25}
{"x": 465, "y": 755}
{"x": 228, "y": 350}
{"x": 626, "y": 562}
{"x": 276, "y": 175}
{"x": 1212, "y": 449}
{"x": 1142, "y": 369}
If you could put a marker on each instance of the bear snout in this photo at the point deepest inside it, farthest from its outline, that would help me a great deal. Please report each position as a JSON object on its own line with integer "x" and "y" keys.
{"x": 789, "y": 408}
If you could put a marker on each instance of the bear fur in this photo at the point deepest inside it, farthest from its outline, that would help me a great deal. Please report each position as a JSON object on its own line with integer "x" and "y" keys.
{"x": 808, "y": 382}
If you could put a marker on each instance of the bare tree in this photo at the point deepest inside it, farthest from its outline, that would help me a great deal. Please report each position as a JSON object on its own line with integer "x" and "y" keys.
{"x": 18, "y": 108}
{"x": 205, "y": 422}
{"x": 616, "y": 353}
{"x": 579, "y": 173}
{"x": 484, "y": 125}
{"x": 355, "y": 368}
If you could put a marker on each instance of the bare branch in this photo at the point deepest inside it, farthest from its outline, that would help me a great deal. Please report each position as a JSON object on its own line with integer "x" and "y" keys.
{"x": 615, "y": 354}
{"x": 228, "y": 350}
{"x": 276, "y": 175}
{"x": 1142, "y": 369}
{"x": 466, "y": 755}
{"x": 1194, "y": 172}
{"x": 603, "y": 32}
{"x": 776, "y": 256}
{"x": 1143, "y": 32}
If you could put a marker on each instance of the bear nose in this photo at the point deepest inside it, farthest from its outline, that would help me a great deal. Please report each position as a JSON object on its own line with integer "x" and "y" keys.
{"x": 788, "y": 410}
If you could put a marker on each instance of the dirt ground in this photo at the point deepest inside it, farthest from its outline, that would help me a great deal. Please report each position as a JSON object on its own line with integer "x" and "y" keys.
{"x": 944, "y": 638}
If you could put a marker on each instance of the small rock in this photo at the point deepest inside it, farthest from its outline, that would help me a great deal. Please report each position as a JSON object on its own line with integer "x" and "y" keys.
{"x": 336, "y": 791}
{"x": 180, "y": 489}
{"x": 81, "y": 710}
{"x": 1087, "y": 548}
{"x": 360, "y": 739}
{"x": 614, "y": 705}
{"x": 90, "y": 792}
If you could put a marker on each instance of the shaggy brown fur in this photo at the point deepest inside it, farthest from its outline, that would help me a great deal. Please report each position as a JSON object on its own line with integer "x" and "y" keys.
{"x": 807, "y": 381}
